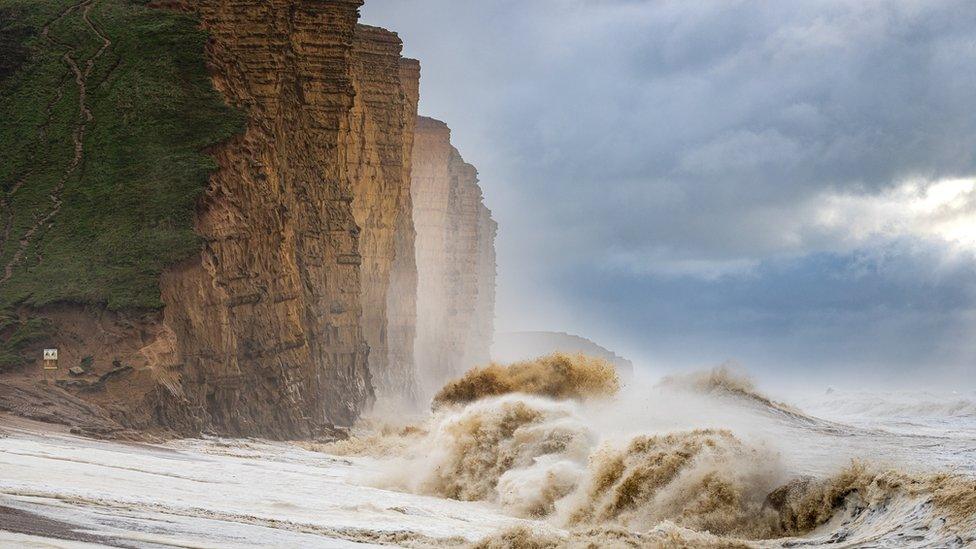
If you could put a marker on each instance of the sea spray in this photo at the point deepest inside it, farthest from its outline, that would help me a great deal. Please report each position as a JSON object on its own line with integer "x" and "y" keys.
{"x": 520, "y": 451}
{"x": 577, "y": 462}
{"x": 704, "y": 479}
{"x": 559, "y": 376}
{"x": 664, "y": 536}
{"x": 726, "y": 380}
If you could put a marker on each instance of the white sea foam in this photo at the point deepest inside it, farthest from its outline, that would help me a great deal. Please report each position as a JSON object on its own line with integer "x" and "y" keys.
{"x": 653, "y": 465}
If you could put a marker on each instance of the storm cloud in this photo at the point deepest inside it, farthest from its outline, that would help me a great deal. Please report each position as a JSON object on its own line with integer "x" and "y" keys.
{"x": 729, "y": 149}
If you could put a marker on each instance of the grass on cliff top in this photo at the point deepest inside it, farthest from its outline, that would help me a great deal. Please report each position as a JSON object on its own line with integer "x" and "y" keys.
{"x": 127, "y": 210}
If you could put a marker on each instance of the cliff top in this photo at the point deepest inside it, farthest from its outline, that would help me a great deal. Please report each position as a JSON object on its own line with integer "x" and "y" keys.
{"x": 425, "y": 123}
{"x": 409, "y": 62}
{"x": 377, "y": 33}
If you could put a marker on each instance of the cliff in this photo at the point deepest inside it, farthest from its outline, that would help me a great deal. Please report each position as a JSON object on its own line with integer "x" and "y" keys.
{"x": 261, "y": 326}
{"x": 400, "y": 386}
{"x": 103, "y": 162}
{"x": 267, "y": 320}
{"x": 226, "y": 243}
{"x": 108, "y": 109}
{"x": 381, "y": 129}
{"x": 482, "y": 334}
{"x": 455, "y": 259}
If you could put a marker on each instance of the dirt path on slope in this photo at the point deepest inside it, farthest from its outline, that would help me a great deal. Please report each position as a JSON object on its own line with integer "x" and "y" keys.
{"x": 85, "y": 118}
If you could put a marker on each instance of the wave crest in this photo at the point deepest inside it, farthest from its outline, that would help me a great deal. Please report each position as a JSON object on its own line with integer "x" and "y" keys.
{"x": 705, "y": 480}
{"x": 728, "y": 381}
{"x": 558, "y": 376}
{"x": 542, "y": 457}
{"x": 522, "y": 452}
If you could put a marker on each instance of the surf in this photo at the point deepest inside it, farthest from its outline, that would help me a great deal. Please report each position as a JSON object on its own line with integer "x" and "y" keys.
{"x": 574, "y": 451}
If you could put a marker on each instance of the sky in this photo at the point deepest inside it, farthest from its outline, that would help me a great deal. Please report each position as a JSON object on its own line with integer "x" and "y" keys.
{"x": 790, "y": 186}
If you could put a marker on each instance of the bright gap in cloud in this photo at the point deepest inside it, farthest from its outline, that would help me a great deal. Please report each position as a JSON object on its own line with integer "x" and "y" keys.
{"x": 940, "y": 212}
{"x": 943, "y": 210}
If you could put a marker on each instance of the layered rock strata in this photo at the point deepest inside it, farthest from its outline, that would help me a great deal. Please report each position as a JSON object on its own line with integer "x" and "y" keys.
{"x": 382, "y": 119}
{"x": 481, "y": 336}
{"x": 399, "y": 386}
{"x": 455, "y": 259}
{"x": 267, "y": 322}
{"x": 312, "y": 283}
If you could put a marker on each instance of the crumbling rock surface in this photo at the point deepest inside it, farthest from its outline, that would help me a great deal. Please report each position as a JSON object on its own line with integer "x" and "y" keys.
{"x": 41, "y": 401}
{"x": 266, "y": 323}
{"x": 400, "y": 384}
{"x": 384, "y": 109}
{"x": 336, "y": 230}
{"x": 455, "y": 259}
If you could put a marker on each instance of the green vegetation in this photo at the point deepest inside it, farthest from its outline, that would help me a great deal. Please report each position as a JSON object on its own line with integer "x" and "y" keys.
{"x": 15, "y": 336}
{"x": 99, "y": 225}
{"x": 100, "y": 229}
{"x": 13, "y": 38}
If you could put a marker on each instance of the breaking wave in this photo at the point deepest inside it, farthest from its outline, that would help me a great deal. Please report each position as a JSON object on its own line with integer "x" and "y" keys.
{"x": 704, "y": 480}
{"x": 522, "y": 452}
{"x": 727, "y": 381}
{"x": 899, "y": 404}
{"x": 541, "y": 456}
{"x": 559, "y": 376}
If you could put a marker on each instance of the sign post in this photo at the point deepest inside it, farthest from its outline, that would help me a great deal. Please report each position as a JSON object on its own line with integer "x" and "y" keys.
{"x": 50, "y": 360}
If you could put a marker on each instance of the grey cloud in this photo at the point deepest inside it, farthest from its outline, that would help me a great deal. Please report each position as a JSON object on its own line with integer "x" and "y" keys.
{"x": 692, "y": 135}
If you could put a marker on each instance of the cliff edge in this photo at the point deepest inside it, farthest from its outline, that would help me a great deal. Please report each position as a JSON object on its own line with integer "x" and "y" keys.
{"x": 455, "y": 259}
{"x": 210, "y": 209}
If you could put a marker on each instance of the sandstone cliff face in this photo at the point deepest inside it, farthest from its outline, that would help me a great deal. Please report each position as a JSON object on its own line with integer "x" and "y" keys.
{"x": 481, "y": 336}
{"x": 399, "y": 386}
{"x": 267, "y": 334}
{"x": 455, "y": 259}
{"x": 342, "y": 238}
{"x": 431, "y": 191}
{"x": 381, "y": 127}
